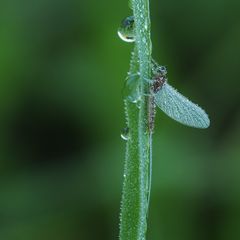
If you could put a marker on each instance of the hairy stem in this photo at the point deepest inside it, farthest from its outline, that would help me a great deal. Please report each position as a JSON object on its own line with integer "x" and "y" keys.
{"x": 136, "y": 187}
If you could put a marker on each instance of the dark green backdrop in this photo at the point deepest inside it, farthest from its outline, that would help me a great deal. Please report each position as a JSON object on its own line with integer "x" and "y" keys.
{"x": 62, "y": 69}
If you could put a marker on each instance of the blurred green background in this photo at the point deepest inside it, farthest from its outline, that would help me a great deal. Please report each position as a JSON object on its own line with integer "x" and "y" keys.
{"x": 62, "y": 69}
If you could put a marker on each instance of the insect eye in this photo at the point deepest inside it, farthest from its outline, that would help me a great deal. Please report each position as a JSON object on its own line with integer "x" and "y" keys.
{"x": 163, "y": 70}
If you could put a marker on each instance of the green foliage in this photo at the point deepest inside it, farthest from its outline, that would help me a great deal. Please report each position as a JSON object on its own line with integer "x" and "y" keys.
{"x": 144, "y": 93}
{"x": 135, "y": 186}
{"x": 60, "y": 60}
{"x": 137, "y": 164}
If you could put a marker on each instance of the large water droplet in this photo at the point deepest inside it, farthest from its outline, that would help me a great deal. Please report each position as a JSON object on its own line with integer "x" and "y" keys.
{"x": 126, "y": 30}
{"x": 125, "y": 133}
{"x": 131, "y": 89}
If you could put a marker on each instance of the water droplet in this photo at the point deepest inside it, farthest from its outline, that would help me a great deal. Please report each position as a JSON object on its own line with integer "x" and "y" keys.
{"x": 131, "y": 89}
{"x": 126, "y": 30}
{"x": 125, "y": 133}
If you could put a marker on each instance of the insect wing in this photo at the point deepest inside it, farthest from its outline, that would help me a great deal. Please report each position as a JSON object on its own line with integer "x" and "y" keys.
{"x": 179, "y": 108}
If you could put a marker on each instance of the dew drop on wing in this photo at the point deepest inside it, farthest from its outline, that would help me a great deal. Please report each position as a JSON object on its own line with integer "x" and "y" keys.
{"x": 179, "y": 108}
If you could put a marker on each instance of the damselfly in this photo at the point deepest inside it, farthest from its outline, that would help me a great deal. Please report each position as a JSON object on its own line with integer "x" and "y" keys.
{"x": 163, "y": 95}
{"x": 174, "y": 104}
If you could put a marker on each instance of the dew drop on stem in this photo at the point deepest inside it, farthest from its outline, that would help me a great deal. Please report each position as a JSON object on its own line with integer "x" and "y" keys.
{"x": 126, "y": 31}
{"x": 131, "y": 89}
{"x": 125, "y": 133}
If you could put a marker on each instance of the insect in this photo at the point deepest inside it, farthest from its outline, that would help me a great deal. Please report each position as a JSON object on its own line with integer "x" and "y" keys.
{"x": 162, "y": 95}
{"x": 172, "y": 103}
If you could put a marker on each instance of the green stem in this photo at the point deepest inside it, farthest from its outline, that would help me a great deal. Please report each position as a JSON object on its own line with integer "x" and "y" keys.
{"x": 136, "y": 186}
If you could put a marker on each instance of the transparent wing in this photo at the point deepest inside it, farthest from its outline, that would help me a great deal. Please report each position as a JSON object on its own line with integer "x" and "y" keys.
{"x": 179, "y": 108}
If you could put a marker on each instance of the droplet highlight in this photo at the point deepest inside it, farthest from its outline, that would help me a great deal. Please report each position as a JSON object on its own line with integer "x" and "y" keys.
{"x": 125, "y": 133}
{"x": 126, "y": 31}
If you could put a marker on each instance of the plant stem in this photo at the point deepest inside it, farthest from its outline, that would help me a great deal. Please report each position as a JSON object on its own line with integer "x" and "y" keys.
{"x": 137, "y": 171}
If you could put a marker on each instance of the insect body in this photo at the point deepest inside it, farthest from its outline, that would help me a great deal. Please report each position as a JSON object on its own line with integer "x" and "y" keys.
{"x": 159, "y": 79}
{"x": 174, "y": 104}
{"x": 157, "y": 83}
